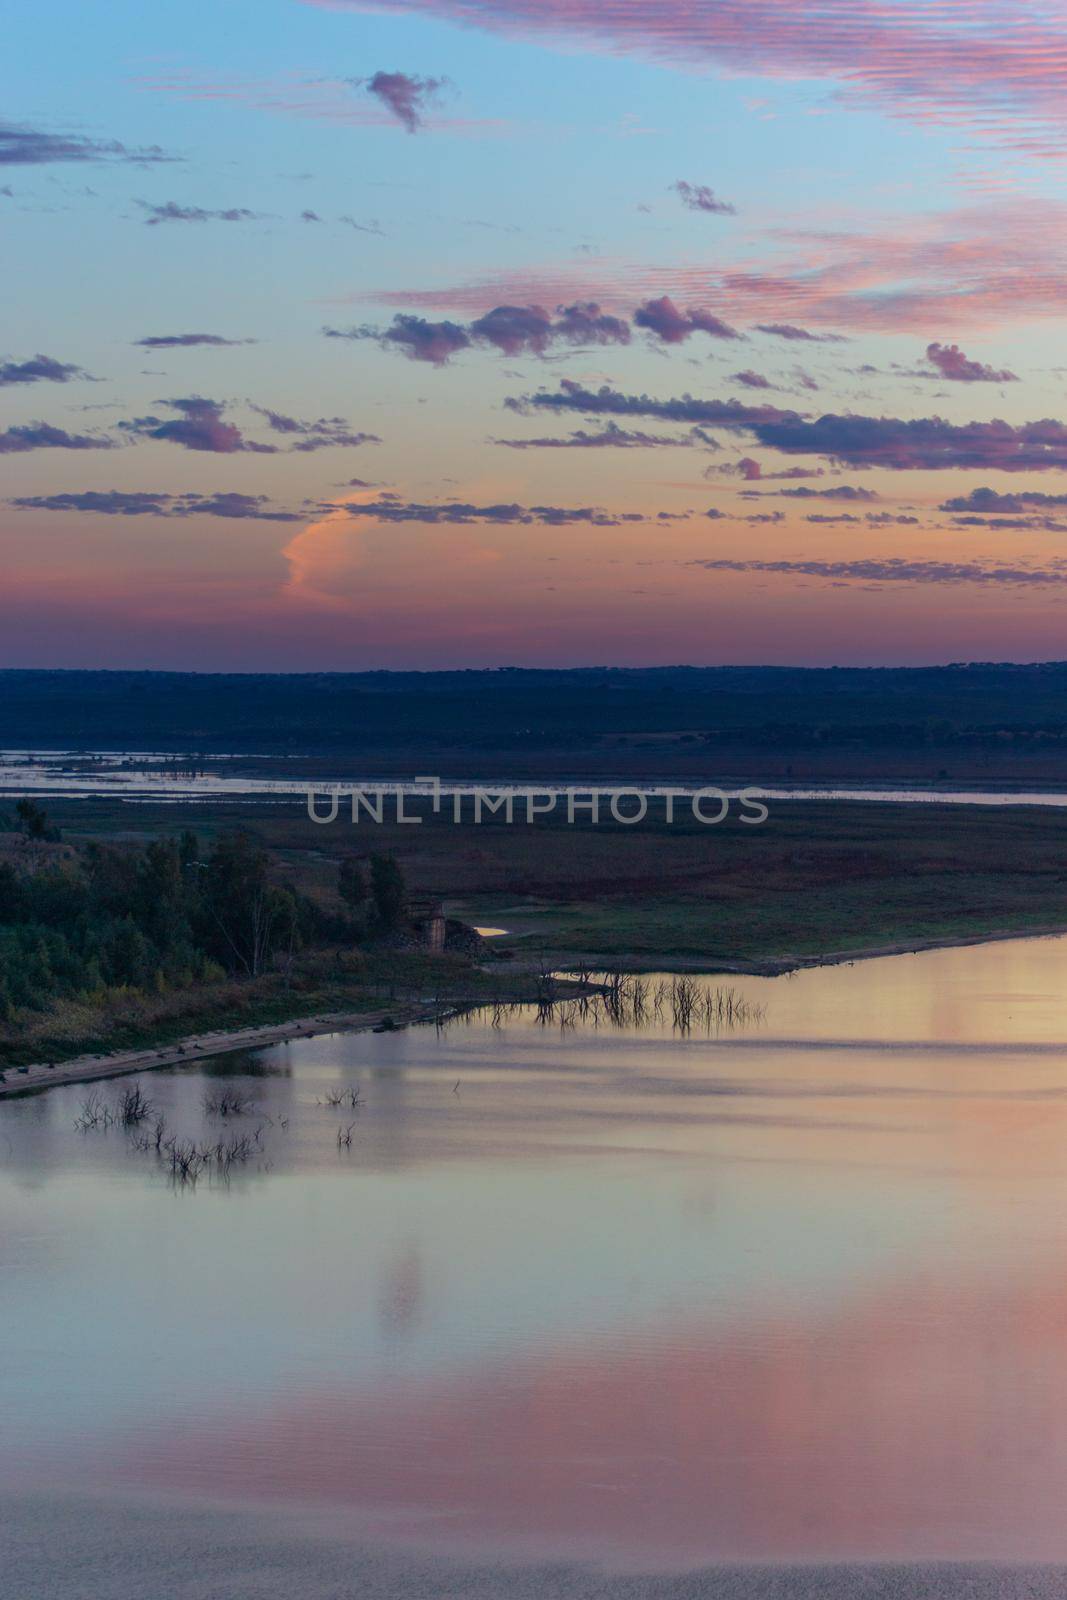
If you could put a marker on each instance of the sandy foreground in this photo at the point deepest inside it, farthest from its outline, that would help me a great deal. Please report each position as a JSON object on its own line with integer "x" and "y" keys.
{"x": 58, "y": 1548}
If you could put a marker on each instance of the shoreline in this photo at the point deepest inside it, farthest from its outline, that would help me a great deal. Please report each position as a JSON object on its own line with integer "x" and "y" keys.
{"x": 203, "y": 1046}
{"x": 780, "y": 966}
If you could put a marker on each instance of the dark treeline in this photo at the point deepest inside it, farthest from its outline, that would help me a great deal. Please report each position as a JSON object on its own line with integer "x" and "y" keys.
{"x": 76, "y": 924}
{"x": 525, "y": 709}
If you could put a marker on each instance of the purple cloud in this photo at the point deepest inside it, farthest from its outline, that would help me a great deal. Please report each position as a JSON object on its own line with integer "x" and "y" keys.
{"x": 926, "y": 443}
{"x": 419, "y": 339}
{"x": 572, "y": 396}
{"x": 42, "y": 436}
{"x": 28, "y": 147}
{"x": 988, "y": 500}
{"x": 362, "y": 227}
{"x": 663, "y": 318}
{"x": 39, "y": 369}
{"x": 951, "y": 363}
{"x": 509, "y": 329}
{"x": 182, "y": 341}
{"x": 200, "y": 426}
{"x": 404, "y": 95}
{"x": 171, "y": 211}
{"x": 613, "y": 437}
{"x": 840, "y": 491}
{"x": 318, "y": 435}
{"x": 896, "y": 570}
{"x": 390, "y": 508}
{"x": 789, "y": 330}
{"x": 121, "y": 503}
{"x": 752, "y": 380}
{"x": 513, "y": 329}
{"x": 698, "y": 197}
{"x": 996, "y": 67}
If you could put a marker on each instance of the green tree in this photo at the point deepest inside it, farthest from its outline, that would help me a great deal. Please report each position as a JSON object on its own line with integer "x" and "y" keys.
{"x": 351, "y": 884}
{"x": 249, "y": 916}
{"x": 33, "y": 820}
{"x": 387, "y": 890}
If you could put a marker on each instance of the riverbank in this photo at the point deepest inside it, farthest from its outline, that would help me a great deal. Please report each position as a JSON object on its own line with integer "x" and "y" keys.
{"x": 32, "y": 1077}
{"x": 200, "y": 1047}
{"x": 203, "y": 1045}
{"x": 781, "y": 966}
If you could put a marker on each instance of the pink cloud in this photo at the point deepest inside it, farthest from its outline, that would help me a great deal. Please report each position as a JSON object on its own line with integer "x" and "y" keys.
{"x": 313, "y": 99}
{"x": 663, "y": 318}
{"x": 405, "y": 96}
{"x": 991, "y": 66}
{"x": 951, "y": 363}
{"x": 990, "y": 265}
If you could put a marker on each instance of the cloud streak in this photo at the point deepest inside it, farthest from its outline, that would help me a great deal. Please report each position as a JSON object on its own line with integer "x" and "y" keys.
{"x": 323, "y": 434}
{"x": 898, "y": 570}
{"x": 614, "y": 438}
{"x": 171, "y": 211}
{"x": 925, "y": 443}
{"x": 605, "y": 401}
{"x": 187, "y": 341}
{"x": 43, "y": 436}
{"x": 991, "y": 66}
{"x": 30, "y": 147}
{"x": 698, "y": 197}
{"x": 200, "y": 425}
{"x": 122, "y": 503}
{"x": 513, "y": 330}
{"x": 38, "y": 369}
{"x": 998, "y": 263}
{"x": 391, "y": 508}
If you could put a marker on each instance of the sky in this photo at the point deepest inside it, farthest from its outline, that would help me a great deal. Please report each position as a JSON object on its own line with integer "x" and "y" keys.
{"x": 468, "y": 333}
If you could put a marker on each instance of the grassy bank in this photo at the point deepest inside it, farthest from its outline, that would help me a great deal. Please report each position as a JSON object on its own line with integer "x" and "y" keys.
{"x": 815, "y": 878}
{"x": 320, "y": 984}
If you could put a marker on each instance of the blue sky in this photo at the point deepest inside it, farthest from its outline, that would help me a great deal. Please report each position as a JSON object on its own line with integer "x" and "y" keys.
{"x": 243, "y": 172}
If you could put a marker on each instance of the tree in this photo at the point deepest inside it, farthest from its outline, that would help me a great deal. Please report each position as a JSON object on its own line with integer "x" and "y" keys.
{"x": 387, "y": 890}
{"x": 351, "y": 884}
{"x": 160, "y": 906}
{"x": 33, "y": 820}
{"x": 248, "y": 914}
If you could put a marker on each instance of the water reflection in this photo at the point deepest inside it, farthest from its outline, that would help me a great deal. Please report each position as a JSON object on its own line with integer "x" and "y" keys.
{"x": 790, "y": 1291}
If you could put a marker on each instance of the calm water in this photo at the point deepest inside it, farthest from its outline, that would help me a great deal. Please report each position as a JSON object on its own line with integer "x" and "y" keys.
{"x": 640, "y": 1303}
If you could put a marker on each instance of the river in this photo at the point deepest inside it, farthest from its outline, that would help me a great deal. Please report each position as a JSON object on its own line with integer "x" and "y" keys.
{"x": 134, "y": 777}
{"x": 775, "y": 1308}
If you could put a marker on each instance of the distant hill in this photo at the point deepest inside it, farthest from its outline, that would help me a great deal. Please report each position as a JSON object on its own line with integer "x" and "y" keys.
{"x": 668, "y": 718}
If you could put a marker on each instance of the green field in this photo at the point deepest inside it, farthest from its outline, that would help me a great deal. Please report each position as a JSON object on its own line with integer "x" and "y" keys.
{"x": 815, "y": 879}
